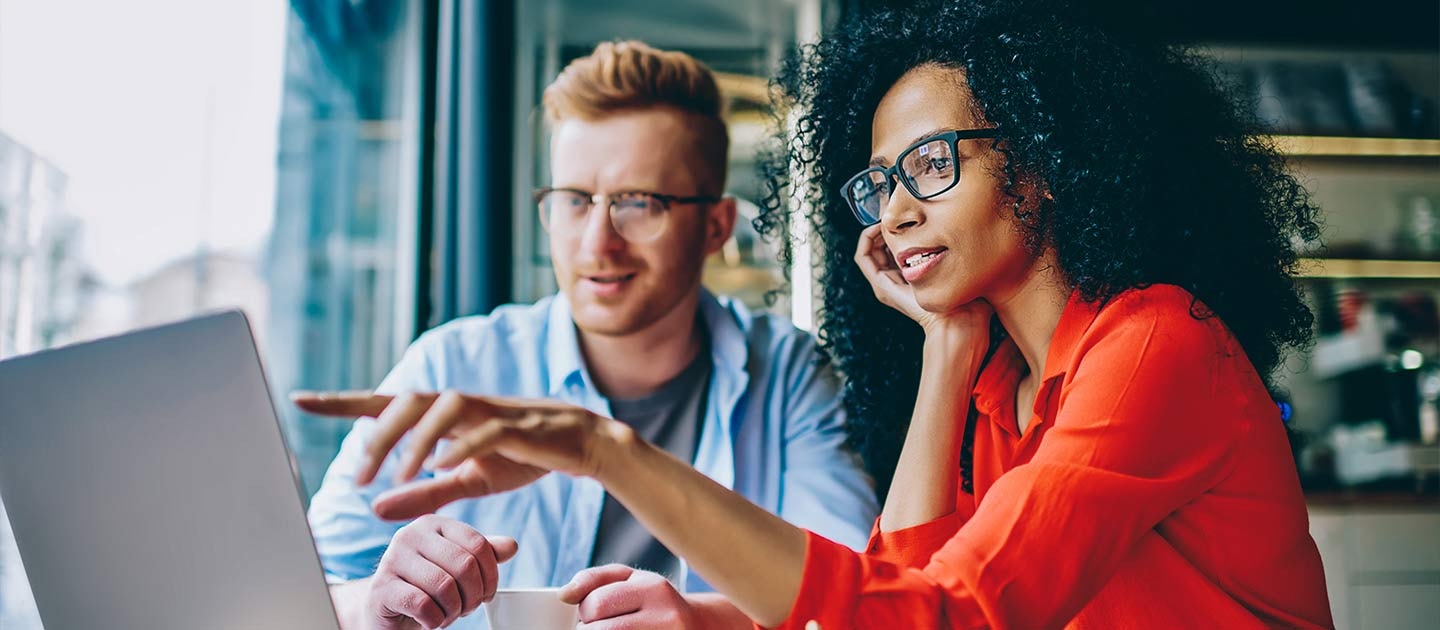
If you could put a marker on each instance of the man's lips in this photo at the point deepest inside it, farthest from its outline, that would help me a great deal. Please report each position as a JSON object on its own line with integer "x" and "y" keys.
{"x": 609, "y": 278}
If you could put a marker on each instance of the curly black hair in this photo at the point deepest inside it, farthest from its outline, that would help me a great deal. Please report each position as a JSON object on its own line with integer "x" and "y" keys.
{"x": 1156, "y": 177}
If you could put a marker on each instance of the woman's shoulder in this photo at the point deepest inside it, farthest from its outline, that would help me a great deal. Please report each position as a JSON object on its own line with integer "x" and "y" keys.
{"x": 1155, "y": 300}
{"x": 1163, "y": 314}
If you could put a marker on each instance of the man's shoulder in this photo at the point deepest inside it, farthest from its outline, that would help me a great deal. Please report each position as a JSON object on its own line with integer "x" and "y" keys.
{"x": 775, "y": 336}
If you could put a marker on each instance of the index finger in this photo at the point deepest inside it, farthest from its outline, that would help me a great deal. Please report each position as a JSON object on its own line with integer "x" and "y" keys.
{"x": 871, "y": 253}
{"x": 874, "y": 259}
{"x": 418, "y": 498}
{"x": 351, "y": 404}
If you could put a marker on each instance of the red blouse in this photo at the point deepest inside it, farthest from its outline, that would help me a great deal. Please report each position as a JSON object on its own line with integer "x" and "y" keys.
{"x": 1154, "y": 488}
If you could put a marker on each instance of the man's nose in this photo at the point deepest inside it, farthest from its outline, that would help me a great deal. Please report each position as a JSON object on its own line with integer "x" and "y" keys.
{"x": 598, "y": 233}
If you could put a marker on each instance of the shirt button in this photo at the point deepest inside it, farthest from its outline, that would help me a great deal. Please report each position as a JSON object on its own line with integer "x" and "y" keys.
{"x": 812, "y": 625}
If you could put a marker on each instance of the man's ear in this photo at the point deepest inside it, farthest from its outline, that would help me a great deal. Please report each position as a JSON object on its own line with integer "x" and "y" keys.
{"x": 719, "y": 224}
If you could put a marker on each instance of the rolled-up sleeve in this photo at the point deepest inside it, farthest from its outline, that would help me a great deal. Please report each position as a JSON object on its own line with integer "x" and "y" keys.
{"x": 913, "y": 546}
{"x": 1137, "y": 433}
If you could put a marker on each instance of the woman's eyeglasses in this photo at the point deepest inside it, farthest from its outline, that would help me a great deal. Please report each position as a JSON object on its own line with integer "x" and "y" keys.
{"x": 926, "y": 169}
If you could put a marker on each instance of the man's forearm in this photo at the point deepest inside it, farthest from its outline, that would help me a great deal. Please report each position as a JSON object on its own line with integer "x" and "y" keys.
{"x": 349, "y": 601}
{"x": 717, "y": 613}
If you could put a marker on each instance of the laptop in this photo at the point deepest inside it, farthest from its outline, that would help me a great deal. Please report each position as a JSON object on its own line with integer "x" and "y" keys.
{"x": 148, "y": 485}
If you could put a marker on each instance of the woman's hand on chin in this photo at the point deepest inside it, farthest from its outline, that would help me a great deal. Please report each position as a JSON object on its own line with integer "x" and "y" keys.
{"x": 967, "y": 326}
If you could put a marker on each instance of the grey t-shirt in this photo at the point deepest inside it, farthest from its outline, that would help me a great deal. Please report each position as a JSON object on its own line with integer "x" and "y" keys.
{"x": 671, "y": 419}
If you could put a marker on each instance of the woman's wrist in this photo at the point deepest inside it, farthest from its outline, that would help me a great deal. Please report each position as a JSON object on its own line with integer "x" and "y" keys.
{"x": 955, "y": 345}
{"x": 615, "y": 447}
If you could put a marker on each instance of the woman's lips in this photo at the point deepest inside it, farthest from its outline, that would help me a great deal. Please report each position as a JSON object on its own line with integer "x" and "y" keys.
{"x": 915, "y": 264}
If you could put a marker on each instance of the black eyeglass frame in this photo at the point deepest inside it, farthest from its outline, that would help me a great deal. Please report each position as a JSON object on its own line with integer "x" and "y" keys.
{"x": 893, "y": 172}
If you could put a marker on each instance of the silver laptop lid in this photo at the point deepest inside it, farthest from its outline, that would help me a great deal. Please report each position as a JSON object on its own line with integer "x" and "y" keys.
{"x": 148, "y": 484}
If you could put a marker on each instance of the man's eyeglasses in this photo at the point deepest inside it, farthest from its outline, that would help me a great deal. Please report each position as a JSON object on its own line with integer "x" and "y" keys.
{"x": 638, "y": 216}
{"x": 926, "y": 169}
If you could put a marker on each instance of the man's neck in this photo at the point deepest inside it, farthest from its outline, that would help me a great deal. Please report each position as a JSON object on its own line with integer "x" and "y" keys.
{"x": 637, "y": 364}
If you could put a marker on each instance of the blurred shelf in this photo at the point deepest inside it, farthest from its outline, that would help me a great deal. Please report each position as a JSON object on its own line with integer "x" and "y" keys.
{"x": 1391, "y": 499}
{"x": 745, "y": 87}
{"x": 1334, "y": 146}
{"x": 1364, "y": 268}
{"x": 724, "y": 278}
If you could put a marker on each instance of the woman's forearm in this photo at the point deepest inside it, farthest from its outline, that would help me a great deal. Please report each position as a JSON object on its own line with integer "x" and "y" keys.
{"x": 752, "y": 556}
{"x": 925, "y": 481}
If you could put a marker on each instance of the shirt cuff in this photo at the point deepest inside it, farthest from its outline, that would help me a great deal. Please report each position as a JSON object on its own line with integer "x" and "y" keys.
{"x": 913, "y": 546}
{"x": 827, "y": 594}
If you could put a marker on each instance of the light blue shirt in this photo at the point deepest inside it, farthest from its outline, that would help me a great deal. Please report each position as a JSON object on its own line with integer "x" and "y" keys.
{"x": 773, "y": 431}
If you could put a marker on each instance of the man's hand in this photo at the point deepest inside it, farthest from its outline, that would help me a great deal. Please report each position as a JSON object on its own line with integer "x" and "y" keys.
{"x": 435, "y": 571}
{"x": 615, "y": 597}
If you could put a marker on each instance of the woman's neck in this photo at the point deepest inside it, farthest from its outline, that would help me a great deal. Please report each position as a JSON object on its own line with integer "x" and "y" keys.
{"x": 1030, "y": 311}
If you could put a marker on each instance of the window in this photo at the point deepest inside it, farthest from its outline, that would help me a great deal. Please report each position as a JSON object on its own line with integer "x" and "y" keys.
{"x": 259, "y": 155}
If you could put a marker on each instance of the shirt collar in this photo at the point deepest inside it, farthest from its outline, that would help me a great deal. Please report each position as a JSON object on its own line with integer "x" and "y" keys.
{"x": 1075, "y": 320}
{"x": 565, "y": 364}
{"x": 997, "y": 381}
{"x": 562, "y": 346}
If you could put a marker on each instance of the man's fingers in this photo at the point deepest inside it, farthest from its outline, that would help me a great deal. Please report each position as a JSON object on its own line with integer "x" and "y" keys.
{"x": 431, "y": 426}
{"x": 588, "y": 580}
{"x": 487, "y": 551}
{"x": 505, "y": 547}
{"x": 402, "y": 414}
{"x": 435, "y": 582}
{"x": 462, "y": 566}
{"x": 610, "y": 600}
{"x": 481, "y": 440}
{"x": 400, "y": 597}
{"x": 341, "y": 404}
{"x": 423, "y": 497}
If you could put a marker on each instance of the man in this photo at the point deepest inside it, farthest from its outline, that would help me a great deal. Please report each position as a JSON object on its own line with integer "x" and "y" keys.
{"x": 638, "y": 166}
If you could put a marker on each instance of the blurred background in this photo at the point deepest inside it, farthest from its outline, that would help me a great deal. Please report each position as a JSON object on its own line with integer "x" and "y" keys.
{"x": 353, "y": 172}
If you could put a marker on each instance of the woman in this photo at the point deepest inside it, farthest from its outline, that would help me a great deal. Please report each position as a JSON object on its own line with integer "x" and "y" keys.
{"x": 1099, "y": 260}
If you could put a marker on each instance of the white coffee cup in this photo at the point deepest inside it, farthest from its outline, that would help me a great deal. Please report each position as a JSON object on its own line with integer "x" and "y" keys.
{"x": 531, "y": 609}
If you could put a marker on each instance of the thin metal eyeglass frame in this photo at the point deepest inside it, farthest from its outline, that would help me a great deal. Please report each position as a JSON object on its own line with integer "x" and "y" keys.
{"x": 666, "y": 201}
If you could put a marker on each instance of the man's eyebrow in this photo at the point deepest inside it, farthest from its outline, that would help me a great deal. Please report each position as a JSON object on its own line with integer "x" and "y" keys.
{"x": 880, "y": 161}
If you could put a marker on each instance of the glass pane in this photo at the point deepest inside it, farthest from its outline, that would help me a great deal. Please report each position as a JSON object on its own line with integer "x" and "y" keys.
{"x": 340, "y": 275}
{"x": 218, "y": 154}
